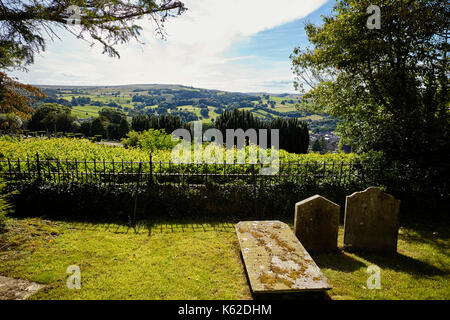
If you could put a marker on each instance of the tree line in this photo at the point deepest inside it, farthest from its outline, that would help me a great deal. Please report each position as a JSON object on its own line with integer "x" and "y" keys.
{"x": 54, "y": 118}
{"x": 113, "y": 124}
{"x": 293, "y": 134}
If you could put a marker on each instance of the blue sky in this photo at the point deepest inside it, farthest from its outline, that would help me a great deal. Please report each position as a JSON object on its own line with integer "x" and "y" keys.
{"x": 276, "y": 44}
{"x": 272, "y": 48}
{"x": 230, "y": 45}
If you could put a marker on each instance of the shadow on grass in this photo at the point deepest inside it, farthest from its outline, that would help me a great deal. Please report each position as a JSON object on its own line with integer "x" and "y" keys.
{"x": 338, "y": 260}
{"x": 423, "y": 232}
{"x": 153, "y": 226}
{"x": 188, "y": 226}
{"x": 342, "y": 261}
{"x": 402, "y": 263}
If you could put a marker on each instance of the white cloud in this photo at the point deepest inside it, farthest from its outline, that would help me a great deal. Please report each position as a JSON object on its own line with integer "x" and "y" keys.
{"x": 192, "y": 55}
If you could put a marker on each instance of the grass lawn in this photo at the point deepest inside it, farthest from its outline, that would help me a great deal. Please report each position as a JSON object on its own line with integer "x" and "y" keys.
{"x": 201, "y": 261}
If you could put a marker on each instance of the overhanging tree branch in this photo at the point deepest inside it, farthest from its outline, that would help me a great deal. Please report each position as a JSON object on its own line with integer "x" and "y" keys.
{"x": 108, "y": 22}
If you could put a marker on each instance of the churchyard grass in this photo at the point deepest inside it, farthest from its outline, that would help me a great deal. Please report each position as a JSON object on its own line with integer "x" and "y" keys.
{"x": 201, "y": 260}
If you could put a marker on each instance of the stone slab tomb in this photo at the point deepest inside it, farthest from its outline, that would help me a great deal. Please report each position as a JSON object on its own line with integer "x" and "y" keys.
{"x": 17, "y": 289}
{"x": 275, "y": 261}
{"x": 371, "y": 221}
{"x": 317, "y": 223}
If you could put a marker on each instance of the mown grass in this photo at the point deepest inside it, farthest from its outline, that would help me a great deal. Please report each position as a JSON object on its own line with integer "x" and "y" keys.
{"x": 419, "y": 271}
{"x": 173, "y": 262}
{"x": 201, "y": 261}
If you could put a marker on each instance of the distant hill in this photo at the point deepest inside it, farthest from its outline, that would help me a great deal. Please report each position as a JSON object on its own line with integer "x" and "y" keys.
{"x": 189, "y": 103}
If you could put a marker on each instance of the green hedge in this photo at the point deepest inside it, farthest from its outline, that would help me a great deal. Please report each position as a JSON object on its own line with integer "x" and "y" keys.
{"x": 99, "y": 202}
{"x": 423, "y": 192}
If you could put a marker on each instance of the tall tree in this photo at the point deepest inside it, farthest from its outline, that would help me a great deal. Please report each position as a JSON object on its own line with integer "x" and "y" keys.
{"x": 112, "y": 115}
{"x": 293, "y": 134}
{"x": 124, "y": 127}
{"x": 99, "y": 127}
{"x": 388, "y": 86}
{"x": 52, "y": 117}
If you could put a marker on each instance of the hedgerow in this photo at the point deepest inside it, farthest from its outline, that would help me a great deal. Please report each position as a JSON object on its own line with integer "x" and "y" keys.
{"x": 169, "y": 192}
{"x": 99, "y": 202}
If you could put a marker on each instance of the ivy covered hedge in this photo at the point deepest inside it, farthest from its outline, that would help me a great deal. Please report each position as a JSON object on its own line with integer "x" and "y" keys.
{"x": 99, "y": 202}
{"x": 423, "y": 190}
{"x": 264, "y": 199}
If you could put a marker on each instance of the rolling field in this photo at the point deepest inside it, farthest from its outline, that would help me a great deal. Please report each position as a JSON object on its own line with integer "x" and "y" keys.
{"x": 123, "y": 95}
{"x": 187, "y": 102}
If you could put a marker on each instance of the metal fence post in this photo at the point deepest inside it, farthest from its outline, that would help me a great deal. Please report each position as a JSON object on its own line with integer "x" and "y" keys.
{"x": 363, "y": 177}
{"x": 9, "y": 169}
{"x": 136, "y": 195}
{"x": 151, "y": 168}
{"x": 38, "y": 164}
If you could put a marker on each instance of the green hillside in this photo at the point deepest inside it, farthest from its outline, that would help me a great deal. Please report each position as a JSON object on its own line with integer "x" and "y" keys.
{"x": 189, "y": 103}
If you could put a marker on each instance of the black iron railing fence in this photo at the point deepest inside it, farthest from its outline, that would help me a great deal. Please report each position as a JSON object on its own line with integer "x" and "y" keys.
{"x": 141, "y": 189}
{"x": 159, "y": 172}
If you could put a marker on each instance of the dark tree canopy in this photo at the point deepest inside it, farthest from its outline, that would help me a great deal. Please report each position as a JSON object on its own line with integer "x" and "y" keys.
{"x": 166, "y": 122}
{"x": 388, "y": 86}
{"x": 293, "y": 134}
{"x": 24, "y": 23}
{"x": 99, "y": 127}
{"x": 52, "y": 117}
{"x": 112, "y": 115}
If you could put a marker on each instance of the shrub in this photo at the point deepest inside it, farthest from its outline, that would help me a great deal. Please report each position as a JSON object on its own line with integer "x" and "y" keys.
{"x": 238, "y": 200}
{"x": 150, "y": 140}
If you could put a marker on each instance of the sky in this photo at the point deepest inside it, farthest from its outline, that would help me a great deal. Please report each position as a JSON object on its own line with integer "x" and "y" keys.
{"x": 232, "y": 45}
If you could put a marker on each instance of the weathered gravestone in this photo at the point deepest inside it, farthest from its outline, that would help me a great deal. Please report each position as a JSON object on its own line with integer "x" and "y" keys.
{"x": 316, "y": 223}
{"x": 371, "y": 221}
{"x": 275, "y": 260}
